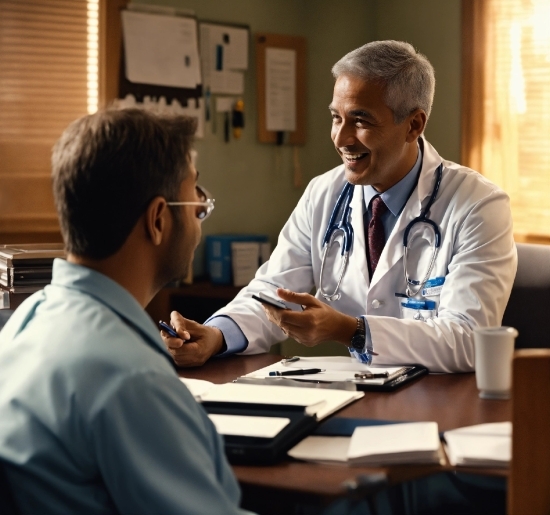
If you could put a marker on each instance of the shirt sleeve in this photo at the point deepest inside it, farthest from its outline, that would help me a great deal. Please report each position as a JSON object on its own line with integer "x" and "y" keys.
{"x": 158, "y": 452}
{"x": 235, "y": 340}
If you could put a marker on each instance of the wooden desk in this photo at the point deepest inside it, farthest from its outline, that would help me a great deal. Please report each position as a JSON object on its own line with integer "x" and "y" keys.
{"x": 451, "y": 400}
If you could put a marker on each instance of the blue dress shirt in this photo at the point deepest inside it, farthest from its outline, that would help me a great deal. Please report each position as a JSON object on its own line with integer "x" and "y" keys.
{"x": 395, "y": 198}
{"x": 93, "y": 417}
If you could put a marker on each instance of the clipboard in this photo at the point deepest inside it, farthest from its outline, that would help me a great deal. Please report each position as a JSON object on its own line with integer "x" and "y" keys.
{"x": 338, "y": 373}
{"x": 414, "y": 372}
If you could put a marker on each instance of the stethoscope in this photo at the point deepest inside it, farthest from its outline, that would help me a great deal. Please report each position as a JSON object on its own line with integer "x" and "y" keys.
{"x": 343, "y": 226}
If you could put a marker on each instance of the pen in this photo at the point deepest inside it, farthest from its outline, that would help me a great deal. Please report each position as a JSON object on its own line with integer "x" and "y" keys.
{"x": 297, "y": 372}
{"x": 372, "y": 375}
{"x": 167, "y": 329}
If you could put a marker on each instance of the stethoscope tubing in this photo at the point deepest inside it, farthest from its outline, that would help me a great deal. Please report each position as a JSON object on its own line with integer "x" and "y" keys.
{"x": 344, "y": 201}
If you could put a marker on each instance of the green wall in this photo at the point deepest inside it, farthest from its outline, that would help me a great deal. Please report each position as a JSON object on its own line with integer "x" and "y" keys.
{"x": 433, "y": 28}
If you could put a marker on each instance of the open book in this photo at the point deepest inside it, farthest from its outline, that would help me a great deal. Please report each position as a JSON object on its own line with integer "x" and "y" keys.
{"x": 377, "y": 445}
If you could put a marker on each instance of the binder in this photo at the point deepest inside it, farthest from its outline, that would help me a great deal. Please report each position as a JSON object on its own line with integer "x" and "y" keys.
{"x": 263, "y": 451}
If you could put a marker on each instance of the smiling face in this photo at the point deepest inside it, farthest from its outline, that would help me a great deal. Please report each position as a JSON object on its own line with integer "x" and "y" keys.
{"x": 374, "y": 149}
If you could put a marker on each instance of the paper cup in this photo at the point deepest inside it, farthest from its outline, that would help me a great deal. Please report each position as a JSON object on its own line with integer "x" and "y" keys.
{"x": 494, "y": 348}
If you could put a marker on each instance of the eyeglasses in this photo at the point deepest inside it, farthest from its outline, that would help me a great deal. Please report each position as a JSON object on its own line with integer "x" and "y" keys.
{"x": 207, "y": 203}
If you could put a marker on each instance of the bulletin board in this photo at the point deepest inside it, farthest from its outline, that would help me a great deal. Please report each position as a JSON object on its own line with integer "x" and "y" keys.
{"x": 264, "y": 42}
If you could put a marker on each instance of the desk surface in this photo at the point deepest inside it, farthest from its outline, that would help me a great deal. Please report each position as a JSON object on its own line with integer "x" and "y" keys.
{"x": 451, "y": 400}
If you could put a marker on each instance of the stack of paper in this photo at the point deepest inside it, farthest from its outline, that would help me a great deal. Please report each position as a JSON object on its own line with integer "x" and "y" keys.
{"x": 320, "y": 403}
{"x": 245, "y": 260}
{"x": 415, "y": 442}
{"x": 483, "y": 445}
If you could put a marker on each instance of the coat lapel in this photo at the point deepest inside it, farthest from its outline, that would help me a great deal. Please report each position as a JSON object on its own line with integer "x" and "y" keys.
{"x": 359, "y": 251}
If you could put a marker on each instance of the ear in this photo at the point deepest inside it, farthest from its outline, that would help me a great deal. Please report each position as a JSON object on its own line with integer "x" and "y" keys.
{"x": 416, "y": 125}
{"x": 156, "y": 220}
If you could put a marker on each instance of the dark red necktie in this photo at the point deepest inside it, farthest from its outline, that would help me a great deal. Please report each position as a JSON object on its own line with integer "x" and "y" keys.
{"x": 376, "y": 235}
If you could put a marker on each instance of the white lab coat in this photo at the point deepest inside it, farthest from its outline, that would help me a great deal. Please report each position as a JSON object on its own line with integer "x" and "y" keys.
{"x": 477, "y": 258}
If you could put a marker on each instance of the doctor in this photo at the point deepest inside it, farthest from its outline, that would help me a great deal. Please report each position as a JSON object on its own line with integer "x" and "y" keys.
{"x": 409, "y": 292}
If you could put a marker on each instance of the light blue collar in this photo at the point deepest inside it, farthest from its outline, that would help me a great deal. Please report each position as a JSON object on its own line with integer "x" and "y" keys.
{"x": 396, "y": 197}
{"x": 111, "y": 294}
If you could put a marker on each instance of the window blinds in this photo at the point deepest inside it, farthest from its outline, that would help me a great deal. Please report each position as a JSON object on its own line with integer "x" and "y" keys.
{"x": 516, "y": 128}
{"x": 43, "y": 87}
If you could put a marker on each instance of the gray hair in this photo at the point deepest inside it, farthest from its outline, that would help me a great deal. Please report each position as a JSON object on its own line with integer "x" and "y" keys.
{"x": 407, "y": 74}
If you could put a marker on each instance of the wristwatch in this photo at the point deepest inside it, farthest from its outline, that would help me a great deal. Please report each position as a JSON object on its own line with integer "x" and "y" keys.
{"x": 358, "y": 338}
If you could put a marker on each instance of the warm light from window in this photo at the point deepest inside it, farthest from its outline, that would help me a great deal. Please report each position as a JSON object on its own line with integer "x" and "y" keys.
{"x": 93, "y": 55}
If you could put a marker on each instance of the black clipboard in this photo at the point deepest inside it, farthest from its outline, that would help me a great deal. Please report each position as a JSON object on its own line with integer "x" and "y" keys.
{"x": 263, "y": 451}
{"x": 413, "y": 373}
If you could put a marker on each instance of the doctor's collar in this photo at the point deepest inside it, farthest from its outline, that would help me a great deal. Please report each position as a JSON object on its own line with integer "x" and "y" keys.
{"x": 395, "y": 197}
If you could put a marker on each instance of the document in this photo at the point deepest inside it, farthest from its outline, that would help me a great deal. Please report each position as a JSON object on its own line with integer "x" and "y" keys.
{"x": 336, "y": 369}
{"x": 161, "y": 50}
{"x": 224, "y": 55}
{"x": 320, "y": 403}
{"x": 256, "y": 427}
{"x": 413, "y": 442}
{"x": 280, "y": 89}
{"x": 376, "y": 445}
{"x": 483, "y": 445}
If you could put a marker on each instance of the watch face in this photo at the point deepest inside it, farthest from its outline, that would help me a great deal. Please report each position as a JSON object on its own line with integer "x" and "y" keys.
{"x": 358, "y": 342}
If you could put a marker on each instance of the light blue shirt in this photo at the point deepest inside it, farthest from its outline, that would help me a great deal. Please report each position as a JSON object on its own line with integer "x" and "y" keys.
{"x": 93, "y": 417}
{"x": 395, "y": 198}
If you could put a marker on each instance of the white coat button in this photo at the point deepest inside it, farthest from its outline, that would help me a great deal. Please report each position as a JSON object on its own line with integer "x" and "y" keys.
{"x": 377, "y": 303}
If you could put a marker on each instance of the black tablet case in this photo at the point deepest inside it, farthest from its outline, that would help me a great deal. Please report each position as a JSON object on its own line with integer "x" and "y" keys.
{"x": 252, "y": 450}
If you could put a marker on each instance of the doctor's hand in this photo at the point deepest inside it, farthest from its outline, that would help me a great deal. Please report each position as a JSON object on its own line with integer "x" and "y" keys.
{"x": 317, "y": 323}
{"x": 197, "y": 342}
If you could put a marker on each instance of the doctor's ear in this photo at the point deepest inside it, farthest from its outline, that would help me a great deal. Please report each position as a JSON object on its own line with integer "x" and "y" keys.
{"x": 417, "y": 123}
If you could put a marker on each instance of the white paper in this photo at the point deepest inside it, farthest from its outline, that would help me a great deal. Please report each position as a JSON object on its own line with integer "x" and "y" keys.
{"x": 414, "y": 442}
{"x": 336, "y": 368}
{"x": 480, "y": 445}
{"x": 161, "y": 50}
{"x": 280, "y": 84}
{"x": 224, "y": 104}
{"x": 318, "y": 402}
{"x": 258, "y": 427}
{"x": 197, "y": 387}
{"x": 245, "y": 260}
{"x": 224, "y": 51}
{"x": 332, "y": 449}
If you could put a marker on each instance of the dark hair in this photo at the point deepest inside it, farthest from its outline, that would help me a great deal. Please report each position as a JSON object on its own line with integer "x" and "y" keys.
{"x": 106, "y": 169}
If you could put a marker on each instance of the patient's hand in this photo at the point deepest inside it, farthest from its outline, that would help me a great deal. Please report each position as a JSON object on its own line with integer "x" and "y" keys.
{"x": 197, "y": 342}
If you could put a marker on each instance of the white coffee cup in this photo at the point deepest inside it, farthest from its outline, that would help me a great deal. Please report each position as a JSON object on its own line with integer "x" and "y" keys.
{"x": 494, "y": 348}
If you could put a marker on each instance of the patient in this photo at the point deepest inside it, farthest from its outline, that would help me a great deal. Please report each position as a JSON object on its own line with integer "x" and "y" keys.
{"x": 93, "y": 418}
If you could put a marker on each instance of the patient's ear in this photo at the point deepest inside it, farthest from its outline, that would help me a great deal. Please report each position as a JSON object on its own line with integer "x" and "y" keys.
{"x": 156, "y": 220}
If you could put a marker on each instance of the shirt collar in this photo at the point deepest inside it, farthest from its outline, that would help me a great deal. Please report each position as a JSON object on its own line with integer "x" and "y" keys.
{"x": 396, "y": 197}
{"x": 111, "y": 294}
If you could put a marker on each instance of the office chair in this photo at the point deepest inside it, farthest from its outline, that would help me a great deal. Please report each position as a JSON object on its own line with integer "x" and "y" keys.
{"x": 7, "y": 502}
{"x": 528, "y": 484}
{"x": 528, "y": 308}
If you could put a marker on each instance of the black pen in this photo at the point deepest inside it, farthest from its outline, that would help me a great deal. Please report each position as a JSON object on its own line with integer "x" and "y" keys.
{"x": 372, "y": 375}
{"x": 297, "y": 372}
